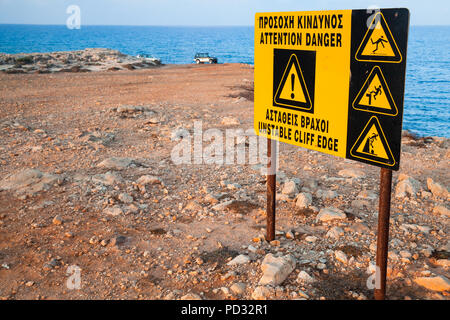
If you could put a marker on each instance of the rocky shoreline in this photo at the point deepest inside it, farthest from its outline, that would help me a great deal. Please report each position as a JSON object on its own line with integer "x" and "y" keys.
{"x": 87, "y": 60}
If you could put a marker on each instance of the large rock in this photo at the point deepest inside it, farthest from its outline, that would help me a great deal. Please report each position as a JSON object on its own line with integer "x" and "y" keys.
{"x": 113, "y": 211}
{"x": 304, "y": 277}
{"x": 240, "y": 259}
{"x": 407, "y": 186}
{"x": 329, "y": 214}
{"x": 358, "y": 227}
{"x": 97, "y": 137}
{"x": 238, "y": 288}
{"x": 223, "y": 205}
{"x": 335, "y": 233}
{"x": 290, "y": 188}
{"x": 441, "y": 210}
{"x": 438, "y": 283}
{"x": 282, "y": 197}
{"x": 116, "y": 163}
{"x": 148, "y": 179}
{"x": 261, "y": 293}
{"x": 30, "y": 182}
{"x": 107, "y": 179}
{"x": 304, "y": 200}
{"x": 276, "y": 269}
{"x": 326, "y": 194}
{"x": 340, "y": 256}
{"x": 437, "y": 189}
{"x": 443, "y": 263}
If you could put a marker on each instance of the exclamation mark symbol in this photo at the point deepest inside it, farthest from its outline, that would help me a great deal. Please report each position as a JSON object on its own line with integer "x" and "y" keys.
{"x": 292, "y": 85}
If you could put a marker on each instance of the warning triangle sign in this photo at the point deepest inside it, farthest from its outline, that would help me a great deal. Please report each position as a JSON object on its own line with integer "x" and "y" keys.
{"x": 375, "y": 95}
{"x": 372, "y": 145}
{"x": 378, "y": 44}
{"x": 292, "y": 90}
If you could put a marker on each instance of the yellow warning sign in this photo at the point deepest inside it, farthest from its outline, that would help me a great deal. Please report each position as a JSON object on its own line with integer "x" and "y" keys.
{"x": 378, "y": 44}
{"x": 311, "y": 92}
{"x": 375, "y": 95}
{"x": 372, "y": 145}
{"x": 292, "y": 90}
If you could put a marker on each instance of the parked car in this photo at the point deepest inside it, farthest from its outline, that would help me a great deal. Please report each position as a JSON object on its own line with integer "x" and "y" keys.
{"x": 204, "y": 58}
{"x": 145, "y": 56}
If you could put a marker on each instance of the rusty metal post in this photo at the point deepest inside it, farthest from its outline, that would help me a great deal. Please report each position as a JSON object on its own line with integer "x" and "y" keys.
{"x": 384, "y": 210}
{"x": 271, "y": 188}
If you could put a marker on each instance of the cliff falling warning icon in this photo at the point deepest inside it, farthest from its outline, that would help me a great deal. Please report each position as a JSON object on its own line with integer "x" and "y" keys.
{"x": 375, "y": 95}
{"x": 372, "y": 144}
{"x": 378, "y": 43}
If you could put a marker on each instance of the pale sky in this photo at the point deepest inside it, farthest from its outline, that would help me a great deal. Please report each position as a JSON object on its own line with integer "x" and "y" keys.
{"x": 198, "y": 12}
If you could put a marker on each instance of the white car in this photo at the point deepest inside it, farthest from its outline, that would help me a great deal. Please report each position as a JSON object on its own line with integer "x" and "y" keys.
{"x": 204, "y": 58}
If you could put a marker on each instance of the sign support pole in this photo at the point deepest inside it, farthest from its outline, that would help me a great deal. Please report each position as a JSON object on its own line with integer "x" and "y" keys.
{"x": 383, "y": 232}
{"x": 271, "y": 188}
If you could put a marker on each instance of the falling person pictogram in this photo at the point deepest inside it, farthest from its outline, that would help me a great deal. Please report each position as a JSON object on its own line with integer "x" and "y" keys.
{"x": 374, "y": 93}
{"x": 368, "y": 147}
{"x": 372, "y": 144}
{"x": 378, "y": 42}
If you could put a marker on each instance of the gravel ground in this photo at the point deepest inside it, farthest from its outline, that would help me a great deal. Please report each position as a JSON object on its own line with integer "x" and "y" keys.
{"x": 88, "y": 186}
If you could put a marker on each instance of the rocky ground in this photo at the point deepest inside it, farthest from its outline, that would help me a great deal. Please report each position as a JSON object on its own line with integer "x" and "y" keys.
{"x": 86, "y": 60}
{"x": 87, "y": 181}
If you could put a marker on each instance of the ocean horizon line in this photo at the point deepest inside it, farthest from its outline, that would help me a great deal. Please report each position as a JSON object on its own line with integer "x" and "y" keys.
{"x": 175, "y": 26}
{"x": 130, "y": 25}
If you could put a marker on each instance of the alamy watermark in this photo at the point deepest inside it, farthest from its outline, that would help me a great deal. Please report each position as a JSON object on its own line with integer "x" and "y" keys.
{"x": 373, "y": 9}
{"x": 214, "y": 146}
{"x": 74, "y": 280}
{"x": 374, "y": 280}
{"x": 74, "y": 20}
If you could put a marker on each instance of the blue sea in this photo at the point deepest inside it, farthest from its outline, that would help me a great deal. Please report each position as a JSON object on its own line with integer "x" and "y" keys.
{"x": 427, "y": 94}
